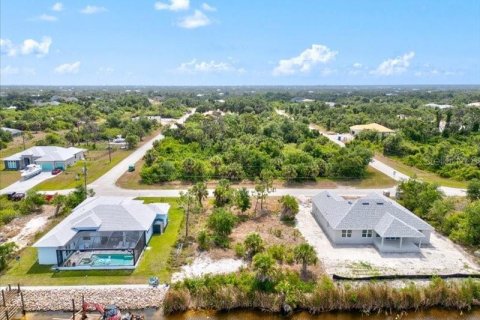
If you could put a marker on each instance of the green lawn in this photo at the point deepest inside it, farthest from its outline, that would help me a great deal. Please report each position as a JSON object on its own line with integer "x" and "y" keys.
{"x": 421, "y": 174}
{"x": 98, "y": 163}
{"x": 154, "y": 261}
{"x": 7, "y": 177}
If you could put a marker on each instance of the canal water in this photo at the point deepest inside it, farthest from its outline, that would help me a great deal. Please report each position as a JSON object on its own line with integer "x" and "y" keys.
{"x": 432, "y": 314}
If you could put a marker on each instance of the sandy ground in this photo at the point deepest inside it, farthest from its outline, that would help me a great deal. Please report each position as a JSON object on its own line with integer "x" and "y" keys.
{"x": 22, "y": 230}
{"x": 203, "y": 265}
{"x": 442, "y": 256}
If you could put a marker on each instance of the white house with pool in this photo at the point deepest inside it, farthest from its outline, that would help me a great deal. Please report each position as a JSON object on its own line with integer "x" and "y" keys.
{"x": 103, "y": 233}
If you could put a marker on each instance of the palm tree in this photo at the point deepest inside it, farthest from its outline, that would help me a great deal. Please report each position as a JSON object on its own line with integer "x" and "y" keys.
{"x": 264, "y": 265}
{"x": 200, "y": 191}
{"x": 306, "y": 255}
{"x": 253, "y": 244}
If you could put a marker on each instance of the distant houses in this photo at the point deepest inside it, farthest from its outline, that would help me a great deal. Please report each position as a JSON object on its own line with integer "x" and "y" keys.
{"x": 48, "y": 157}
{"x": 372, "y": 219}
{"x": 13, "y": 132}
{"x": 384, "y": 131}
{"x": 440, "y": 106}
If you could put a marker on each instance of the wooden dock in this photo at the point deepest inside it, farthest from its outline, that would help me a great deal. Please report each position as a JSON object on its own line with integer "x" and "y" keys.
{"x": 9, "y": 307}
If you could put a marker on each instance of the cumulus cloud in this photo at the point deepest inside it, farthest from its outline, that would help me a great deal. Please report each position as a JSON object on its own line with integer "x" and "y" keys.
{"x": 207, "y": 7}
{"x": 173, "y": 5}
{"x": 196, "y": 20}
{"x": 304, "y": 62}
{"x": 47, "y": 17}
{"x": 357, "y": 65}
{"x": 68, "y": 68}
{"x": 93, "y": 9}
{"x": 212, "y": 66}
{"x": 58, "y": 6}
{"x": 29, "y": 46}
{"x": 394, "y": 66}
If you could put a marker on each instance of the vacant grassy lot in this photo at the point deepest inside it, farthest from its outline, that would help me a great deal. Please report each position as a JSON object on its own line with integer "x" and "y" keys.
{"x": 7, "y": 177}
{"x": 154, "y": 261}
{"x": 373, "y": 180}
{"x": 421, "y": 174}
{"x": 98, "y": 163}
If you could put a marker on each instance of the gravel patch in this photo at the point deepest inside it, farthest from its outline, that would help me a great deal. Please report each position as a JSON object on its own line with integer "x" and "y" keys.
{"x": 442, "y": 256}
{"x": 203, "y": 265}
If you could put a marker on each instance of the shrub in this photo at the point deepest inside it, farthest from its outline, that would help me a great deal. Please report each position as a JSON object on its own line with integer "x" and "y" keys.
{"x": 253, "y": 244}
{"x": 289, "y": 208}
{"x": 240, "y": 250}
{"x": 221, "y": 222}
{"x": 204, "y": 240}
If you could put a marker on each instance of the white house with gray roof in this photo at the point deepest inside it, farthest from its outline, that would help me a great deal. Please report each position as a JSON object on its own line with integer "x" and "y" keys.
{"x": 372, "y": 219}
{"x": 103, "y": 233}
{"x": 48, "y": 157}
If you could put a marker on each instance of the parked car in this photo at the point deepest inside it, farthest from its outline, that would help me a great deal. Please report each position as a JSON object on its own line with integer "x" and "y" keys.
{"x": 15, "y": 196}
{"x": 56, "y": 171}
{"x": 131, "y": 168}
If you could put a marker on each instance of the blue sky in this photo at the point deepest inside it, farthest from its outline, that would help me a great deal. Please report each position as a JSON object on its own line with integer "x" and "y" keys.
{"x": 238, "y": 42}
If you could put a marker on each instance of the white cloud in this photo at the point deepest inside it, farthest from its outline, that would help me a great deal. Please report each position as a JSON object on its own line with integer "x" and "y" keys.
{"x": 173, "y": 5}
{"x": 394, "y": 66}
{"x": 47, "y": 17}
{"x": 93, "y": 9}
{"x": 304, "y": 62}
{"x": 9, "y": 70}
{"x": 212, "y": 66}
{"x": 357, "y": 65}
{"x": 207, "y": 7}
{"x": 31, "y": 46}
{"x": 196, "y": 20}
{"x": 58, "y": 6}
{"x": 65, "y": 68}
{"x": 7, "y": 47}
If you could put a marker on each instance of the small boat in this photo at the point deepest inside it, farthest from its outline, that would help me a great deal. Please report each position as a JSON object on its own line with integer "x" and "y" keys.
{"x": 30, "y": 171}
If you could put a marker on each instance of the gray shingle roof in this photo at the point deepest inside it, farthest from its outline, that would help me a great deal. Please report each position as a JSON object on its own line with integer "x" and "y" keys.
{"x": 104, "y": 214}
{"x": 371, "y": 212}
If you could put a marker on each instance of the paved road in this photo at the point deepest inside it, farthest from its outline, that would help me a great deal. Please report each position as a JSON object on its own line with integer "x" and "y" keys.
{"x": 25, "y": 185}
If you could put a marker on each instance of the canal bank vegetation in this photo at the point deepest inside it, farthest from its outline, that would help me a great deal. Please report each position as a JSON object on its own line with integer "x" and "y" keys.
{"x": 285, "y": 291}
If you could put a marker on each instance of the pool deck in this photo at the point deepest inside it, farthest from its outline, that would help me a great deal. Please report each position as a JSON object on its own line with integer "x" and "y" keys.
{"x": 74, "y": 261}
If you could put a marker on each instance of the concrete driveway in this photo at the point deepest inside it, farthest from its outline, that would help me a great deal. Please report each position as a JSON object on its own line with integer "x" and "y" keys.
{"x": 24, "y": 186}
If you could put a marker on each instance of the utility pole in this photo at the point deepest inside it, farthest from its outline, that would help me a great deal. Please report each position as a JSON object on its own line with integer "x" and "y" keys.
{"x": 188, "y": 217}
{"x": 23, "y": 139}
{"x": 85, "y": 176}
{"x": 109, "y": 151}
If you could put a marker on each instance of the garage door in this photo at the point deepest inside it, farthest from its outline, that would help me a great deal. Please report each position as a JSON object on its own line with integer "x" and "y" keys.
{"x": 47, "y": 166}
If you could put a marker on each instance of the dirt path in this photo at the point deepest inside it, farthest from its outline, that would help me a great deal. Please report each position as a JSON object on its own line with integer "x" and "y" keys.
{"x": 22, "y": 230}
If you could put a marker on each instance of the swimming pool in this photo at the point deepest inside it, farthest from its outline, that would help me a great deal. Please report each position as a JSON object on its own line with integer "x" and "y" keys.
{"x": 97, "y": 260}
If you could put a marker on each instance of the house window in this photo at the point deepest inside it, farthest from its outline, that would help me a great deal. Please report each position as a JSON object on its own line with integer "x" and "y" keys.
{"x": 367, "y": 233}
{"x": 11, "y": 164}
{"x": 346, "y": 233}
{"x": 392, "y": 238}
